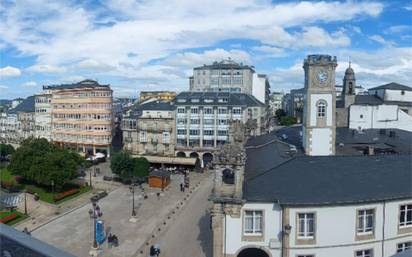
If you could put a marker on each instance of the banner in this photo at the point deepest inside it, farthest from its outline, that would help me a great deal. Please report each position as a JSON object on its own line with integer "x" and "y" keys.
{"x": 100, "y": 235}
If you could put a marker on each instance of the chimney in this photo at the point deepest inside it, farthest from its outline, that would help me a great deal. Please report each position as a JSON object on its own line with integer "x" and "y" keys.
{"x": 371, "y": 150}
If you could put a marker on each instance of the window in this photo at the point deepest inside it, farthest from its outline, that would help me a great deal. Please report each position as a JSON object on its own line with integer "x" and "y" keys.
{"x": 194, "y": 132}
{"x": 181, "y": 131}
{"x": 208, "y": 132}
{"x": 403, "y": 92}
{"x": 237, "y": 111}
{"x": 181, "y": 121}
{"x": 208, "y": 122}
{"x": 195, "y": 100}
{"x": 221, "y": 132}
{"x": 361, "y": 116}
{"x": 194, "y": 110}
{"x": 166, "y": 137}
{"x": 222, "y": 111}
{"x": 306, "y": 225}
{"x": 194, "y": 121}
{"x": 364, "y": 253}
{"x": 181, "y": 110}
{"x": 365, "y": 221}
{"x": 143, "y": 136}
{"x": 404, "y": 246}
{"x": 208, "y": 110}
{"x": 222, "y": 122}
{"x": 306, "y": 255}
{"x": 253, "y": 222}
{"x": 405, "y": 217}
{"x": 321, "y": 109}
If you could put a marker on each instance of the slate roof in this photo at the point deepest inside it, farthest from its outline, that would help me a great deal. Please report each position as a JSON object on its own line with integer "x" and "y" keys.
{"x": 368, "y": 100}
{"x": 26, "y": 106}
{"x": 393, "y": 86}
{"x": 233, "y": 99}
{"x": 157, "y": 106}
{"x": 320, "y": 180}
{"x": 19, "y": 244}
{"x": 88, "y": 83}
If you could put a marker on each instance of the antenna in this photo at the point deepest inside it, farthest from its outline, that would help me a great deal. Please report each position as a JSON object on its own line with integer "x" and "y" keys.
{"x": 349, "y": 61}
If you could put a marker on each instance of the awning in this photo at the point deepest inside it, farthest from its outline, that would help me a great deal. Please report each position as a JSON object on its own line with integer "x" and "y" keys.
{"x": 169, "y": 160}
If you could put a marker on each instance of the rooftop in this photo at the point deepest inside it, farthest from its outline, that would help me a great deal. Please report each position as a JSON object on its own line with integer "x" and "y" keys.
{"x": 217, "y": 98}
{"x": 319, "y": 180}
{"x": 393, "y": 86}
{"x": 225, "y": 64}
{"x": 156, "y": 106}
{"x": 88, "y": 83}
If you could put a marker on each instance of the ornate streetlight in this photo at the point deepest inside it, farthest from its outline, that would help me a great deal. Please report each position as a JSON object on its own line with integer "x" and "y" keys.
{"x": 94, "y": 213}
{"x": 132, "y": 190}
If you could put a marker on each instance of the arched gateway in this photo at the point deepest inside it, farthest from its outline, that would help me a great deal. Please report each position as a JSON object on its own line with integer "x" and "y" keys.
{"x": 252, "y": 252}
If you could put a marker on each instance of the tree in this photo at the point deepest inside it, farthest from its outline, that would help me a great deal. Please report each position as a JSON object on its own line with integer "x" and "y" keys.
{"x": 6, "y": 149}
{"x": 122, "y": 165}
{"x": 280, "y": 113}
{"x": 287, "y": 120}
{"x": 39, "y": 161}
{"x": 140, "y": 167}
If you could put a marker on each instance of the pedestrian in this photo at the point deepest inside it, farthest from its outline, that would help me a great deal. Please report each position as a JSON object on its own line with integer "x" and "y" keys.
{"x": 109, "y": 241}
{"x": 115, "y": 241}
{"x": 181, "y": 187}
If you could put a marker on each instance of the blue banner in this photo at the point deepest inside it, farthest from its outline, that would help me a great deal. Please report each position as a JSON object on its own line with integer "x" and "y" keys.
{"x": 100, "y": 234}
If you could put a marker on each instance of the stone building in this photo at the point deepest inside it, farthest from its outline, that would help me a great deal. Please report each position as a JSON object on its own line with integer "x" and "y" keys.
{"x": 43, "y": 115}
{"x": 229, "y": 76}
{"x": 274, "y": 200}
{"x": 202, "y": 120}
{"x": 150, "y": 130}
{"x": 275, "y": 102}
{"x": 82, "y": 116}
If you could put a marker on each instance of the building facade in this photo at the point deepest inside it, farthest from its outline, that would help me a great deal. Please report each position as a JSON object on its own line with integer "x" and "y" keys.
{"x": 152, "y": 131}
{"x": 165, "y": 96}
{"x": 43, "y": 115}
{"x": 275, "y": 102}
{"x": 203, "y": 119}
{"x": 82, "y": 116}
{"x": 319, "y": 125}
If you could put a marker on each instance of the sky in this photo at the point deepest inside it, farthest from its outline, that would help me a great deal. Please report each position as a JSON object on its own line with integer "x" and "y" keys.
{"x": 136, "y": 45}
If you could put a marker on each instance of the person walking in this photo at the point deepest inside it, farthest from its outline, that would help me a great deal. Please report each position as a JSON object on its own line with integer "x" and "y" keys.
{"x": 110, "y": 240}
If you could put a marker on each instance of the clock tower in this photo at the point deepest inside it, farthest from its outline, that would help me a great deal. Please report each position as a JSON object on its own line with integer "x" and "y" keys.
{"x": 319, "y": 124}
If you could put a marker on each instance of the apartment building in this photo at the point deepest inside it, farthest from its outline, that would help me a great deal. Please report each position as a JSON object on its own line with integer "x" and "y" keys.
{"x": 229, "y": 76}
{"x": 275, "y": 102}
{"x": 150, "y": 129}
{"x": 203, "y": 119}
{"x": 43, "y": 115}
{"x": 82, "y": 116}
{"x": 164, "y": 96}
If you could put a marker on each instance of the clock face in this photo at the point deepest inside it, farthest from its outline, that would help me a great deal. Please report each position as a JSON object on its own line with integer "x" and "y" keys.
{"x": 322, "y": 76}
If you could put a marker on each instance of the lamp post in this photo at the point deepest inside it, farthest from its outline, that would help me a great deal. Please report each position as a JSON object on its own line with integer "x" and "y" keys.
{"x": 25, "y": 203}
{"x": 90, "y": 173}
{"x": 132, "y": 190}
{"x": 94, "y": 213}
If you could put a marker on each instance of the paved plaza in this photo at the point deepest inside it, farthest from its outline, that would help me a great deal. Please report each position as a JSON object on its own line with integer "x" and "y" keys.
{"x": 156, "y": 217}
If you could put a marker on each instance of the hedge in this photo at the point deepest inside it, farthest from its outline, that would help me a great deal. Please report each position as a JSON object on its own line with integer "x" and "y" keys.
{"x": 62, "y": 195}
{"x": 9, "y": 218}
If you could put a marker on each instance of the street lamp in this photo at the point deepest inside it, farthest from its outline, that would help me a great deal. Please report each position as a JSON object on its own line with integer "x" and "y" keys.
{"x": 132, "y": 189}
{"x": 95, "y": 213}
{"x": 25, "y": 203}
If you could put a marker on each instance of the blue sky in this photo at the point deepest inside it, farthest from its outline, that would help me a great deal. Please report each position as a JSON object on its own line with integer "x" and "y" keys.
{"x": 153, "y": 45}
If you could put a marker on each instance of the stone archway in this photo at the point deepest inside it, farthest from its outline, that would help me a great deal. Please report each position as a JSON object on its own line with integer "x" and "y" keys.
{"x": 207, "y": 158}
{"x": 228, "y": 176}
{"x": 252, "y": 252}
{"x": 194, "y": 155}
{"x": 181, "y": 154}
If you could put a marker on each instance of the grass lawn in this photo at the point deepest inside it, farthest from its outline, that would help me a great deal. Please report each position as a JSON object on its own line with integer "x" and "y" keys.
{"x": 5, "y": 175}
{"x": 44, "y": 194}
{"x": 20, "y": 217}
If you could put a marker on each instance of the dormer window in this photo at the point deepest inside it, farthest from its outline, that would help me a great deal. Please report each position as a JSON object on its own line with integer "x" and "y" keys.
{"x": 321, "y": 106}
{"x": 403, "y": 92}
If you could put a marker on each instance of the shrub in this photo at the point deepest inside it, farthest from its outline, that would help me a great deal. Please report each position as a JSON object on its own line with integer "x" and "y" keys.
{"x": 62, "y": 195}
{"x": 9, "y": 218}
{"x": 7, "y": 184}
{"x": 30, "y": 189}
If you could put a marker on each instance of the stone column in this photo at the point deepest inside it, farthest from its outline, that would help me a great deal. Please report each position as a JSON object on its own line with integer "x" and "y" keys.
{"x": 218, "y": 230}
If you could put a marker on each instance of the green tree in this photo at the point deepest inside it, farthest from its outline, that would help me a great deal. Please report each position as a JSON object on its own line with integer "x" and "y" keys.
{"x": 122, "y": 165}
{"x": 280, "y": 113}
{"x": 140, "y": 167}
{"x": 39, "y": 161}
{"x": 6, "y": 149}
{"x": 287, "y": 120}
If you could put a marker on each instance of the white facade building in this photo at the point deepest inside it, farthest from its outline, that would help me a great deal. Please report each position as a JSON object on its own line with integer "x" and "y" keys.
{"x": 43, "y": 115}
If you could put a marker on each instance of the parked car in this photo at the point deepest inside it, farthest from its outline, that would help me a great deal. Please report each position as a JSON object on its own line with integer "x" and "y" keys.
{"x": 98, "y": 196}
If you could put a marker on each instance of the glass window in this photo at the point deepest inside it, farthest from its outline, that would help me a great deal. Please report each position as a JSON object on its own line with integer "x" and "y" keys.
{"x": 222, "y": 122}
{"x": 194, "y": 110}
{"x": 365, "y": 221}
{"x": 321, "y": 109}
{"x": 404, "y": 246}
{"x": 405, "y": 217}
{"x": 364, "y": 253}
{"x": 181, "y": 131}
{"x": 306, "y": 224}
{"x": 237, "y": 111}
{"x": 221, "y": 132}
{"x": 194, "y": 121}
{"x": 208, "y": 110}
{"x": 143, "y": 136}
{"x": 194, "y": 132}
{"x": 208, "y": 132}
{"x": 181, "y": 121}
{"x": 208, "y": 121}
{"x": 181, "y": 110}
{"x": 166, "y": 137}
{"x": 253, "y": 222}
{"x": 222, "y": 110}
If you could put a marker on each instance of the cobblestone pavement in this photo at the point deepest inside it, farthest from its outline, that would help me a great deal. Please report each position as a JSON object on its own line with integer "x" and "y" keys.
{"x": 73, "y": 231}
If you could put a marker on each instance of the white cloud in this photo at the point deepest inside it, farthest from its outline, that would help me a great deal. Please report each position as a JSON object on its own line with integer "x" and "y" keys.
{"x": 44, "y": 68}
{"x": 270, "y": 51}
{"x": 398, "y": 29}
{"x": 381, "y": 40}
{"x": 30, "y": 84}
{"x": 408, "y": 7}
{"x": 9, "y": 71}
{"x": 72, "y": 79}
{"x": 3, "y": 87}
{"x": 93, "y": 65}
